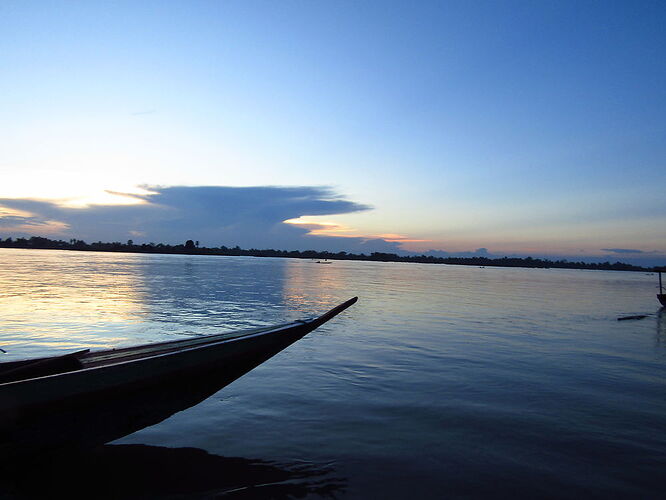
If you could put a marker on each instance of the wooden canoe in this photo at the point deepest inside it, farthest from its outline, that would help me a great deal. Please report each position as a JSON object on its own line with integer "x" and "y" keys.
{"x": 88, "y": 398}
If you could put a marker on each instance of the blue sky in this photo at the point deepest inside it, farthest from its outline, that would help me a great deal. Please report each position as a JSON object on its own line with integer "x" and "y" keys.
{"x": 522, "y": 127}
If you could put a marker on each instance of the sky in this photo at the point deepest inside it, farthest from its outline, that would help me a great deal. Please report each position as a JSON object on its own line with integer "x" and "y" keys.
{"x": 457, "y": 128}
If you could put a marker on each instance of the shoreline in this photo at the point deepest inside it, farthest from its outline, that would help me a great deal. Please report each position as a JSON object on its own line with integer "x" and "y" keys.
{"x": 40, "y": 243}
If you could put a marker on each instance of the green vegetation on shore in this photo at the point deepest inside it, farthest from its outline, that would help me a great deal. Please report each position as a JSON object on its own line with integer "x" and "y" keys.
{"x": 192, "y": 248}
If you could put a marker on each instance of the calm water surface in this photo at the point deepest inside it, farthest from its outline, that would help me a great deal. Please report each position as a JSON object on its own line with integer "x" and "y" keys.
{"x": 442, "y": 381}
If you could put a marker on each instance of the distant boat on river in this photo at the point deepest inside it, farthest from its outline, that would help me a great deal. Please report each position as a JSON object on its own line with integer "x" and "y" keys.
{"x": 84, "y": 399}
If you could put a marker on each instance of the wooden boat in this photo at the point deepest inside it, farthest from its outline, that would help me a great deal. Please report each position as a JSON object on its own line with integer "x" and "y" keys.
{"x": 88, "y": 398}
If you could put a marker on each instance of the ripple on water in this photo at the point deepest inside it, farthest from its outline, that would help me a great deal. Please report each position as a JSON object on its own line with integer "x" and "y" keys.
{"x": 442, "y": 381}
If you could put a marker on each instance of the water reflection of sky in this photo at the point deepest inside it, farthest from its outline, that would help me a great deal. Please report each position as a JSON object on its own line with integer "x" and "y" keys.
{"x": 65, "y": 300}
{"x": 661, "y": 328}
{"x": 440, "y": 379}
{"x": 311, "y": 286}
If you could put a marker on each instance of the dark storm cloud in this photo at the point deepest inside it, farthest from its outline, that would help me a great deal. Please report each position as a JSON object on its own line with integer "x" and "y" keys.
{"x": 214, "y": 215}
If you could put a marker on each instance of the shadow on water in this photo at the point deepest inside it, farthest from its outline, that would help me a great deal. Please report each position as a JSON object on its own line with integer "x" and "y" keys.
{"x": 141, "y": 471}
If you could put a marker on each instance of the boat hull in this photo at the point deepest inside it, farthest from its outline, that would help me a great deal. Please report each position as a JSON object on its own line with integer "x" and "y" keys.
{"x": 90, "y": 407}
{"x": 662, "y": 298}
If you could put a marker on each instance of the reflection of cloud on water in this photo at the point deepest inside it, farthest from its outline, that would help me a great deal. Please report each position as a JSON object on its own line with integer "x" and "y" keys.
{"x": 141, "y": 471}
{"x": 310, "y": 286}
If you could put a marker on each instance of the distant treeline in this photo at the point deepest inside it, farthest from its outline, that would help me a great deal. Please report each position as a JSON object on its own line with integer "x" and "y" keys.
{"x": 192, "y": 247}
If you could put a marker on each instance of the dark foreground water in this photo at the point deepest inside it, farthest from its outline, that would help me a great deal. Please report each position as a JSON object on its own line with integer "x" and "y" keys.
{"x": 442, "y": 381}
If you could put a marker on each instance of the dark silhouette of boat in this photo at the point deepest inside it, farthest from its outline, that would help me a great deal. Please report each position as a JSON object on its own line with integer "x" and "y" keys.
{"x": 85, "y": 399}
{"x": 661, "y": 295}
{"x": 175, "y": 473}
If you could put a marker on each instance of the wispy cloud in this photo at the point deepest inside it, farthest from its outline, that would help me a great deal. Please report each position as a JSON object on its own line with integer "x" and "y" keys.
{"x": 21, "y": 221}
{"x": 400, "y": 238}
{"x": 326, "y": 228}
{"x": 622, "y": 250}
{"x": 145, "y": 112}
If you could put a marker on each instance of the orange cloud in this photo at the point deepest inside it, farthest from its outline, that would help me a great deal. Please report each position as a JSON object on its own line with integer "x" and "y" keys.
{"x": 317, "y": 228}
{"x": 399, "y": 238}
{"x": 15, "y": 220}
{"x": 321, "y": 228}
